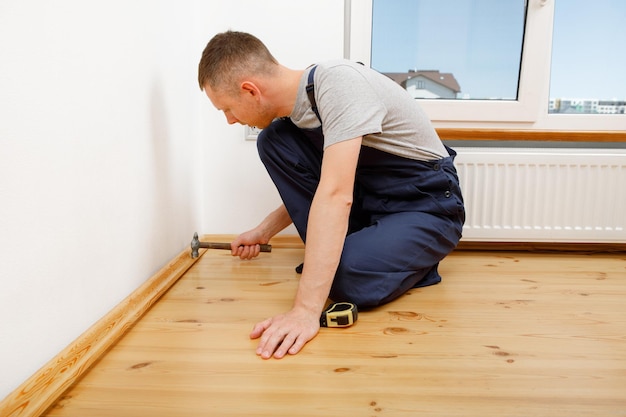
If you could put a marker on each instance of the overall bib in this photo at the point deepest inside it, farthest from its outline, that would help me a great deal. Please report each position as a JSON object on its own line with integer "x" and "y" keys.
{"x": 406, "y": 215}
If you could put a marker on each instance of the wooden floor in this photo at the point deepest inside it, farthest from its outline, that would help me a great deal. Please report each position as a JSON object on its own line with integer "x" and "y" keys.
{"x": 505, "y": 334}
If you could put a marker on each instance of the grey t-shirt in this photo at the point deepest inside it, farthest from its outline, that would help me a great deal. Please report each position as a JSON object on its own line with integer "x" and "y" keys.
{"x": 354, "y": 100}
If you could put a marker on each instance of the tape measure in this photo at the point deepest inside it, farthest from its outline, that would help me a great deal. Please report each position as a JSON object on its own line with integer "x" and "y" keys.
{"x": 339, "y": 315}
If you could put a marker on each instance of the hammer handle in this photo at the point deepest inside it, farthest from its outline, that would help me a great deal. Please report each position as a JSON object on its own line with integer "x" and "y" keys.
{"x": 219, "y": 245}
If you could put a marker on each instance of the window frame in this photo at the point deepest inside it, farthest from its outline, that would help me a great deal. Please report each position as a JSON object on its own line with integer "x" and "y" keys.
{"x": 529, "y": 112}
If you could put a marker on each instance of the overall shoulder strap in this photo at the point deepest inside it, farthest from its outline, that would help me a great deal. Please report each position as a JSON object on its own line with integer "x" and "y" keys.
{"x": 310, "y": 91}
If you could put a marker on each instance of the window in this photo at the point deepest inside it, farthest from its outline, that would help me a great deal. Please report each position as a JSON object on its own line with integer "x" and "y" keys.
{"x": 499, "y": 53}
{"x": 475, "y": 54}
{"x": 588, "y": 57}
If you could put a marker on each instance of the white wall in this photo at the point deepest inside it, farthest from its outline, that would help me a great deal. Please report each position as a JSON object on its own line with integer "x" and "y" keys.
{"x": 98, "y": 139}
{"x": 110, "y": 156}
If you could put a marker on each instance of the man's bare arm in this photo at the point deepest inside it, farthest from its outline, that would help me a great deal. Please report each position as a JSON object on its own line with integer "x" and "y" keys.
{"x": 326, "y": 232}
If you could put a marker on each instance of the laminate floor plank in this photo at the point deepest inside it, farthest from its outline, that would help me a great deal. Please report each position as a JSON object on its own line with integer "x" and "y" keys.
{"x": 505, "y": 334}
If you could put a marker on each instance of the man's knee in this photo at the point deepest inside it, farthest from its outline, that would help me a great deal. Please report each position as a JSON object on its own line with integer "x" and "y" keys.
{"x": 361, "y": 287}
{"x": 368, "y": 281}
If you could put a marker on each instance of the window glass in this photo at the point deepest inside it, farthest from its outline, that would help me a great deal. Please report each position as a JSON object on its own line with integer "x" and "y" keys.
{"x": 588, "y": 57}
{"x": 450, "y": 49}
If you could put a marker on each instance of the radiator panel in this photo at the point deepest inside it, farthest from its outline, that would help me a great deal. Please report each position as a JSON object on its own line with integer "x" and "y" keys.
{"x": 553, "y": 195}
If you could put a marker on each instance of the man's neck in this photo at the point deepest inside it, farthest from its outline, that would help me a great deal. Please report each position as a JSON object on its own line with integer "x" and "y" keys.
{"x": 284, "y": 91}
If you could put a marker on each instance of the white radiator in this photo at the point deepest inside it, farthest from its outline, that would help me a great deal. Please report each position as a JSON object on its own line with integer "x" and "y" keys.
{"x": 543, "y": 195}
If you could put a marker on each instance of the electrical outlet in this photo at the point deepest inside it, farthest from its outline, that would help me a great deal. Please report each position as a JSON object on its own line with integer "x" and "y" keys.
{"x": 251, "y": 132}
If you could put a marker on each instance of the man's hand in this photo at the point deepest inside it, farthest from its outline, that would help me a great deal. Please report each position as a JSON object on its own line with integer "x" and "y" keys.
{"x": 246, "y": 245}
{"x": 285, "y": 333}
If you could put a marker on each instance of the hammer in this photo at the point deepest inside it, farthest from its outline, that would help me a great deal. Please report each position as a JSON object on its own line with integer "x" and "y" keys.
{"x": 196, "y": 244}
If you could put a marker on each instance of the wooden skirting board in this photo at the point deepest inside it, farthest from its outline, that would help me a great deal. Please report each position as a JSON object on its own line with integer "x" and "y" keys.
{"x": 42, "y": 389}
{"x": 543, "y": 247}
{"x": 37, "y": 393}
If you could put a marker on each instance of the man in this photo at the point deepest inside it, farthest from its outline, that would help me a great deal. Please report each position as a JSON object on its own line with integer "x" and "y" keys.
{"x": 363, "y": 176}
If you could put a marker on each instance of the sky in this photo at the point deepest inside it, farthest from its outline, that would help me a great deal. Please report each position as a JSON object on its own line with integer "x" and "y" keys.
{"x": 479, "y": 42}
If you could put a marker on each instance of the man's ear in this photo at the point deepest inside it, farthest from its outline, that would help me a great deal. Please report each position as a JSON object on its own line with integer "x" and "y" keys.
{"x": 248, "y": 87}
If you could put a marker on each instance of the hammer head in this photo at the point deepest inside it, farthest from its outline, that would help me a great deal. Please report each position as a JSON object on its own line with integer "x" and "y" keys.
{"x": 195, "y": 245}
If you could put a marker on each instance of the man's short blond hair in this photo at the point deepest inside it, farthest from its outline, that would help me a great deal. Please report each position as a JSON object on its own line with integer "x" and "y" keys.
{"x": 230, "y": 56}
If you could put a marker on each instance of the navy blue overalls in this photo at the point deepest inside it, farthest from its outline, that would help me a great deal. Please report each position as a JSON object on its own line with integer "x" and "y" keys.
{"x": 406, "y": 215}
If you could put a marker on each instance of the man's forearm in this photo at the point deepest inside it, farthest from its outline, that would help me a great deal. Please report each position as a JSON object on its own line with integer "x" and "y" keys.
{"x": 276, "y": 221}
{"x": 326, "y": 232}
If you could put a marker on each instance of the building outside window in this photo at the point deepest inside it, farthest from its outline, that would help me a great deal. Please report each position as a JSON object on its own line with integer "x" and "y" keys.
{"x": 588, "y": 44}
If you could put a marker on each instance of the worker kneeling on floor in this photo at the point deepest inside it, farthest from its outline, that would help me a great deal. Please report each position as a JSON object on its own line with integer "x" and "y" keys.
{"x": 362, "y": 174}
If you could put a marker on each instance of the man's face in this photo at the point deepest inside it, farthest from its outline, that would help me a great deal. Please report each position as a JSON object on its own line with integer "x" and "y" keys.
{"x": 244, "y": 106}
